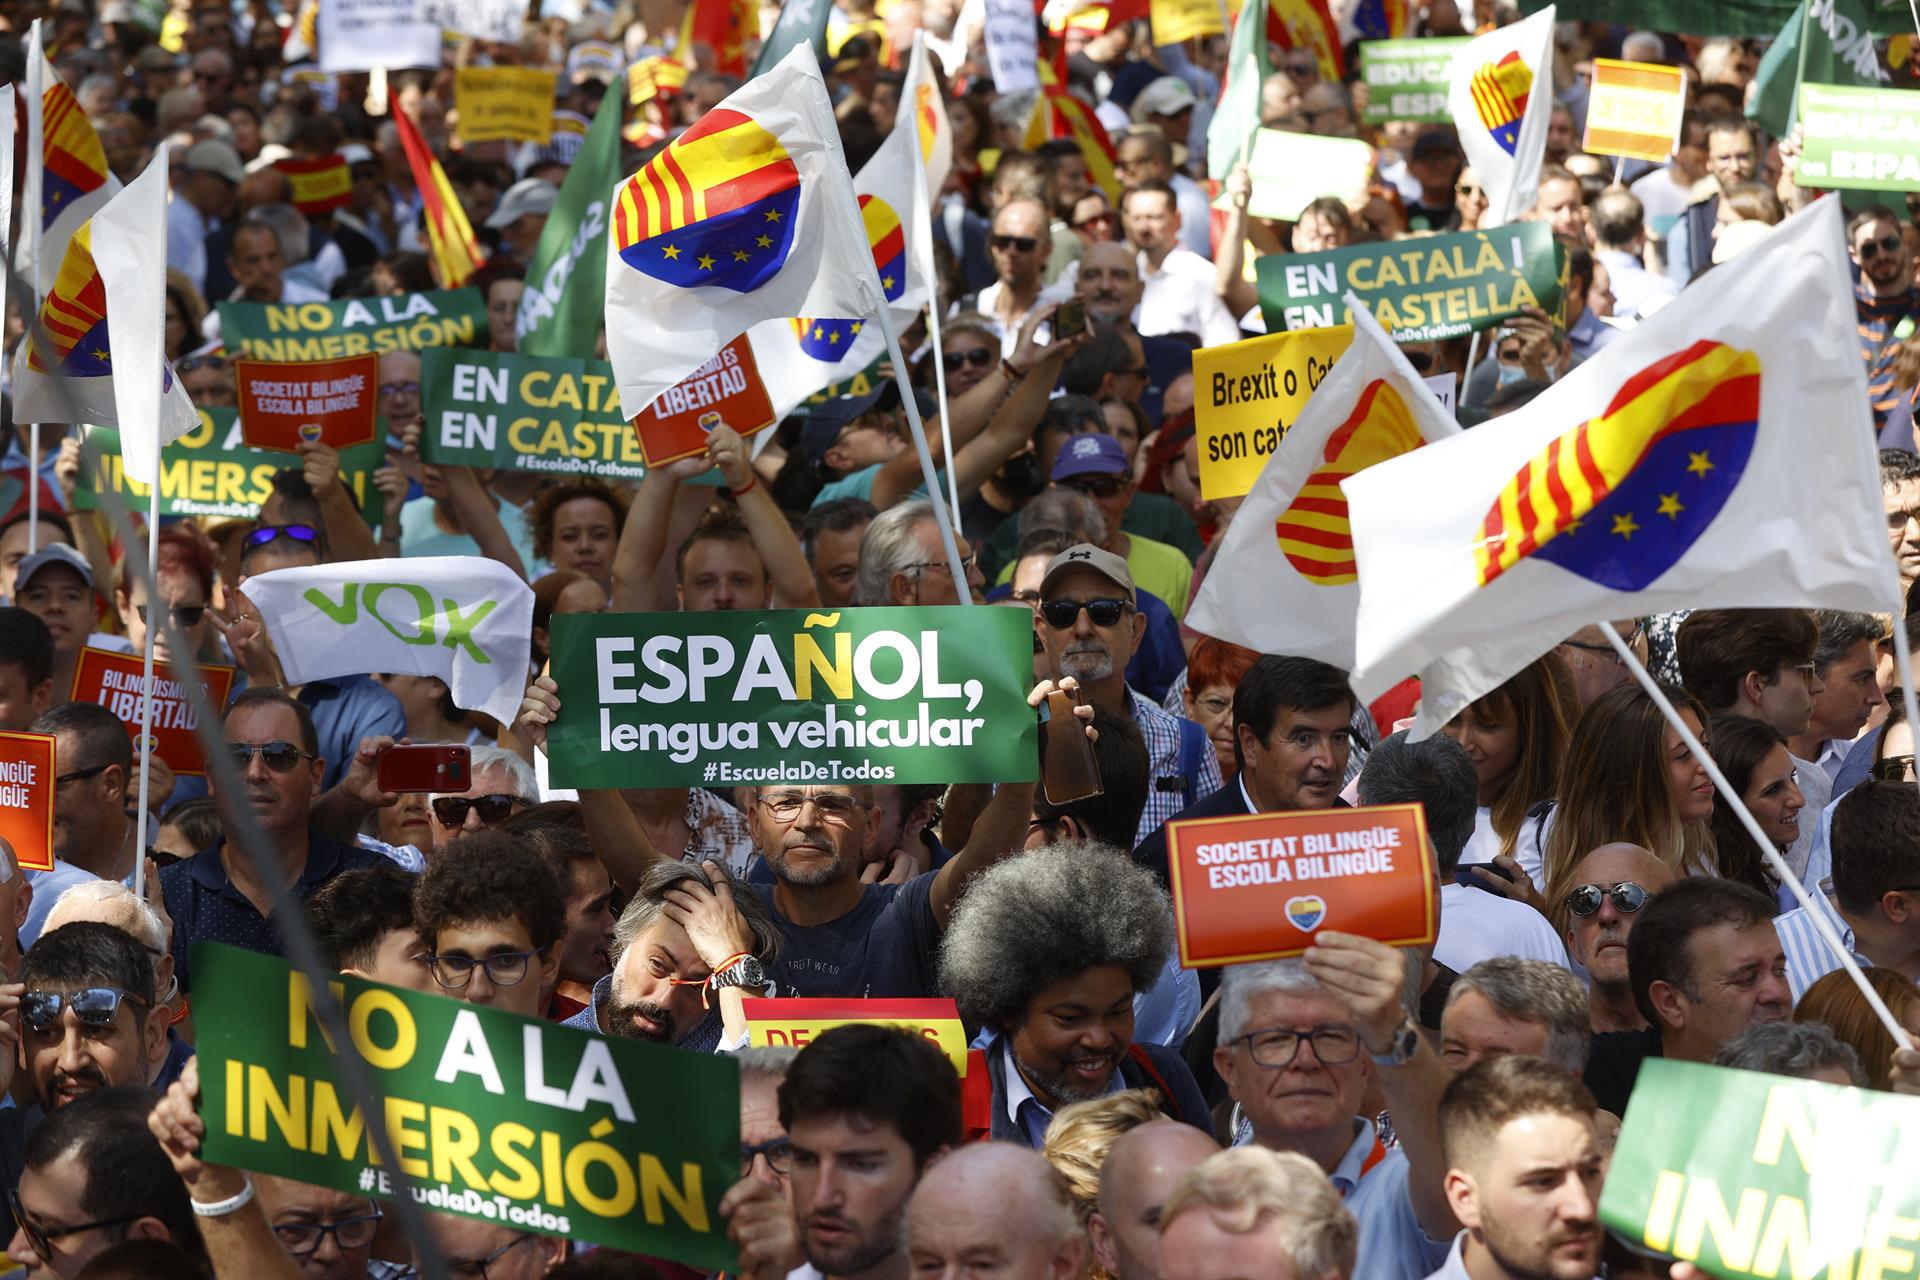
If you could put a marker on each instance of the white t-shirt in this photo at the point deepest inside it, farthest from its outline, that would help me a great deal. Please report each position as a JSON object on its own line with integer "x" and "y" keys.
{"x": 1529, "y": 849}
{"x": 1476, "y": 925}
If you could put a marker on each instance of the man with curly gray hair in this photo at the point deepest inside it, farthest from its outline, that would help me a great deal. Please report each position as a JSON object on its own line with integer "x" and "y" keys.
{"x": 1046, "y": 951}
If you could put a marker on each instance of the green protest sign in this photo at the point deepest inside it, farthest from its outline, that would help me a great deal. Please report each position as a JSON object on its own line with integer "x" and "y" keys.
{"x": 1407, "y": 79}
{"x": 494, "y": 1116}
{"x": 524, "y": 413}
{"x": 1421, "y": 289}
{"x": 1763, "y": 1175}
{"x": 353, "y": 326}
{"x": 896, "y": 695}
{"x": 210, "y": 473}
{"x": 1859, "y": 139}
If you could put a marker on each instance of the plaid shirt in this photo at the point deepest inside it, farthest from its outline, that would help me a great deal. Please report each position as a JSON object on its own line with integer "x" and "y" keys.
{"x": 1875, "y": 321}
{"x": 1166, "y": 785}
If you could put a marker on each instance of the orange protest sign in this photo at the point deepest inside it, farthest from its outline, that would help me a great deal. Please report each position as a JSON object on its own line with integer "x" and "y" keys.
{"x": 316, "y": 401}
{"x": 725, "y": 389}
{"x": 26, "y": 797}
{"x": 794, "y": 1023}
{"x": 1634, "y": 109}
{"x": 114, "y": 681}
{"x": 1257, "y": 887}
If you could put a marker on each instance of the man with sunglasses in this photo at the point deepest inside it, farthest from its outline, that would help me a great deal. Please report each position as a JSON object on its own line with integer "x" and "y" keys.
{"x": 1610, "y": 885}
{"x": 218, "y": 894}
{"x": 1153, "y": 540}
{"x": 1884, "y": 296}
{"x": 1872, "y": 899}
{"x": 492, "y": 916}
{"x": 209, "y": 380}
{"x": 501, "y": 784}
{"x": 1020, "y": 244}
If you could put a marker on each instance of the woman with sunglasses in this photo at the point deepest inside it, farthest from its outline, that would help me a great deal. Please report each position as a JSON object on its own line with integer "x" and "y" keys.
{"x": 1630, "y": 779}
{"x": 1517, "y": 736}
{"x": 1470, "y": 198}
{"x": 1754, "y": 756}
{"x": 185, "y": 587}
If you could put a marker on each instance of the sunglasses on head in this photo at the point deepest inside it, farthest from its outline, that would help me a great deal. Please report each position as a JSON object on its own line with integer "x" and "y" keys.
{"x": 1062, "y": 614}
{"x": 452, "y": 810}
{"x": 93, "y": 1006}
{"x": 1874, "y": 248}
{"x": 1584, "y": 899}
{"x": 184, "y": 615}
{"x": 1020, "y": 244}
{"x": 978, "y": 357}
{"x": 293, "y": 532}
{"x": 279, "y": 756}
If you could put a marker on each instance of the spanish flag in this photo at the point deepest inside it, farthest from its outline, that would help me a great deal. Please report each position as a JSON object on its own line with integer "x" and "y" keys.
{"x": 724, "y": 26}
{"x": 456, "y": 256}
{"x": 1058, "y": 114}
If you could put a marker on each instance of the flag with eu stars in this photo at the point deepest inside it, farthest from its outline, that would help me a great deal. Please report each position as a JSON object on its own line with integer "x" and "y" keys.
{"x": 1500, "y": 92}
{"x": 1700, "y": 461}
{"x": 747, "y": 216}
{"x": 66, "y": 180}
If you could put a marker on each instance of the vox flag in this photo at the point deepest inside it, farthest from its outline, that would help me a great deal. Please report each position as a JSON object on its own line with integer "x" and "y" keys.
{"x": 1501, "y": 92}
{"x": 1286, "y": 580}
{"x": 747, "y": 216}
{"x": 1667, "y": 472}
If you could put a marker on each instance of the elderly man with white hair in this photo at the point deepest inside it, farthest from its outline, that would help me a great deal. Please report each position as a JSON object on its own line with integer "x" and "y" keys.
{"x": 500, "y": 784}
{"x": 994, "y": 1207}
{"x": 1252, "y": 1214}
{"x": 111, "y": 903}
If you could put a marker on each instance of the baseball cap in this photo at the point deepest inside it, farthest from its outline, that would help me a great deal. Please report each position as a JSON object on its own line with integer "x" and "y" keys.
{"x": 1089, "y": 455}
{"x": 1435, "y": 142}
{"x": 215, "y": 156}
{"x": 529, "y": 195}
{"x": 1085, "y": 555}
{"x": 593, "y": 60}
{"x": 827, "y": 421}
{"x": 1167, "y": 96}
{"x": 52, "y": 553}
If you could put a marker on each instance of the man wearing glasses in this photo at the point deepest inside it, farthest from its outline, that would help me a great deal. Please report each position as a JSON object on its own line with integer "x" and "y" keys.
{"x": 1883, "y": 295}
{"x": 1595, "y": 666}
{"x": 92, "y": 830}
{"x": 492, "y": 916}
{"x": 502, "y": 784}
{"x": 218, "y": 895}
{"x": 1020, "y": 243}
{"x": 475, "y": 1249}
{"x": 1610, "y": 885}
{"x": 1096, "y": 466}
{"x": 328, "y": 1233}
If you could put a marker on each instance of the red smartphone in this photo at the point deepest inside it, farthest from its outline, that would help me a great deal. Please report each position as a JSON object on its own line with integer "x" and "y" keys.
{"x": 431, "y": 767}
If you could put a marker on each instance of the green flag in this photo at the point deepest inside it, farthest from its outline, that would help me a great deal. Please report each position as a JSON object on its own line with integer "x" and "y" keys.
{"x": 1230, "y": 134}
{"x": 1716, "y": 17}
{"x": 1824, "y": 42}
{"x": 799, "y": 20}
{"x": 567, "y": 287}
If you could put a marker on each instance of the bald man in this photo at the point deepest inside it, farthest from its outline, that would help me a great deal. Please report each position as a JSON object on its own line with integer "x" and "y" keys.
{"x": 1141, "y": 1170}
{"x": 994, "y": 1207}
{"x": 1602, "y": 902}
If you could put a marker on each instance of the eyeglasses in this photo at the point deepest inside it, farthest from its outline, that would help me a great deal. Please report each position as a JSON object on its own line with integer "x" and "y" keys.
{"x": 1104, "y": 612}
{"x": 478, "y": 1267}
{"x": 1276, "y": 1047}
{"x": 1098, "y": 486}
{"x": 400, "y": 389}
{"x": 303, "y": 1238}
{"x": 280, "y": 756}
{"x": 504, "y": 969}
{"x": 1874, "y": 248}
{"x": 1019, "y": 244}
{"x": 292, "y": 532}
{"x": 1584, "y": 899}
{"x": 1468, "y": 189}
{"x": 833, "y": 808}
{"x": 452, "y": 810}
{"x": 79, "y": 775}
{"x": 93, "y": 1006}
{"x": 1630, "y": 638}
{"x": 1104, "y": 218}
{"x": 1893, "y": 769}
{"x": 1303, "y": 68}
{"x": 183, "y": 615}
{"x": 42, "y": 1238}
{"x": 1806, "y": 671}
{"x": 978, "y": 357}
{"x": 188, "y": 364}
{"x": 779, "y": 1154}
{"x": 969, "y": 564}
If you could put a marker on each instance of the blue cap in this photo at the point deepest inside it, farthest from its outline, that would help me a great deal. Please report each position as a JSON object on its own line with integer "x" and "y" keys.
{"x": 1091, "y": 455}
{"x": 828, "y": 420}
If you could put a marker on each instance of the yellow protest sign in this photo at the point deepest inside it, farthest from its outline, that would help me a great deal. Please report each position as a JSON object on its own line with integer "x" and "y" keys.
{"x": 1177, "y": 20}
{"x": 795, "y": 1023}
{"x": 1635, "y": 109}
{"x": 514, "y": 103}
{"x": 1247, "y": 394}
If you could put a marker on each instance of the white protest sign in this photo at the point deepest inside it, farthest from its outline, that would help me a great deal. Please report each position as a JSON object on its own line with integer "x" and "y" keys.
{"x": 1442, "y": 385}
{"x": 467, "y": 620}
{"x": 360, "y": 35}
{"x": 497, "y": 20}
{"x": 1013, "y": 49}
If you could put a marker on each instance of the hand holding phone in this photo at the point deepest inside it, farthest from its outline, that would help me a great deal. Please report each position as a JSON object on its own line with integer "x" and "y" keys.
{"x": 428, "y": 767}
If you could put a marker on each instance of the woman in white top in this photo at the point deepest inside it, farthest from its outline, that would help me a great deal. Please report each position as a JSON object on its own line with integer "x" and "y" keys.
{"x": 1517, "y": 736}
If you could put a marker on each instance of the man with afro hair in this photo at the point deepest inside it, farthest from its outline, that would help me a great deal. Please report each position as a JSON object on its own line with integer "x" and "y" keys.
{"x": 1046, "y": 951}
{"x": 492, "y": 919}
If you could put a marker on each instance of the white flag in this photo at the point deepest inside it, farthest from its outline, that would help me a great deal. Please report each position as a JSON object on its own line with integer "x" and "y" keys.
{"x": 65, "y": 178}
{"x": 1703, "y": 460}
{"x": 466, "y": 619}
{"x": 130, "y": 251}
{"x": 1285, "y": 581}
{"x": 924, "y": 111}
{"x": 1500, "y": 92}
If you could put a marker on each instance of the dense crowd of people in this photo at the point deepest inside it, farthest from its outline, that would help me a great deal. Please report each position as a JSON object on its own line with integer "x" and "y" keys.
{"x": 1359, "y": 1111}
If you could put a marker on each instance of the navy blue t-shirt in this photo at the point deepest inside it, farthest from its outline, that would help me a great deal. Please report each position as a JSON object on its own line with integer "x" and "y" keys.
{"x": 887, "y": 946}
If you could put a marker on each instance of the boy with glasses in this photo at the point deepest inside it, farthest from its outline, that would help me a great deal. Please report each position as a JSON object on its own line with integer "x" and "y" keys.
{"x": 491, "y": 918}
{"x": 1610, "y": 885}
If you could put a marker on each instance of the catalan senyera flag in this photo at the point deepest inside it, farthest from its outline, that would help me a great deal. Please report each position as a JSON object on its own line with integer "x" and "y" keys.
{"x": 1309, "y": 24}
{"x": 1670, "y": 471}
{"x": 455, "y": 253}
{"x": 1285, "y": 581}
{"x": 66, "y": 175}
{"x": 63, "y": 371}
{"x": 747, "y": 216}
{"x": 1501, "y": 94}
{"x": 725, "y": 26}
{"x": 1058, "y": 114}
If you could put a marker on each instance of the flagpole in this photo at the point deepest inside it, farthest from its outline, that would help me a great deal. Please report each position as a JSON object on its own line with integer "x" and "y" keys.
{"x": 154, "y": 614}
{"x": 923, "y": 232}
{"x": 36, "y": 155}
{"x": 1779, "y": 866}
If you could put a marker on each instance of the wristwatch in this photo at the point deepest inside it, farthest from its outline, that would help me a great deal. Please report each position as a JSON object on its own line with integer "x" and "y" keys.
{"x": 1400, "y": 1050}
{"x": 744, "y": 972}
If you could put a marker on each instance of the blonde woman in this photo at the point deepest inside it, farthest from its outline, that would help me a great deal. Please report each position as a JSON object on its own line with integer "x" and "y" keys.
{"x": 1077, "y": 1143}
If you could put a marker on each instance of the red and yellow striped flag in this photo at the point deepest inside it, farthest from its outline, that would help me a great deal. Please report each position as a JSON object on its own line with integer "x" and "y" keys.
{"x": 456, "y": 255}
{"x": 725, "y": 27}
{"x": 1058, "y": 114}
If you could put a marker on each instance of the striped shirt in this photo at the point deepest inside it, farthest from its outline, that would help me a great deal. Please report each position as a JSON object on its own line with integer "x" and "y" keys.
{"x": 1875, "y": 320}
{"x": 1810, "y": 959}
{"x": 1161, "y": 729}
